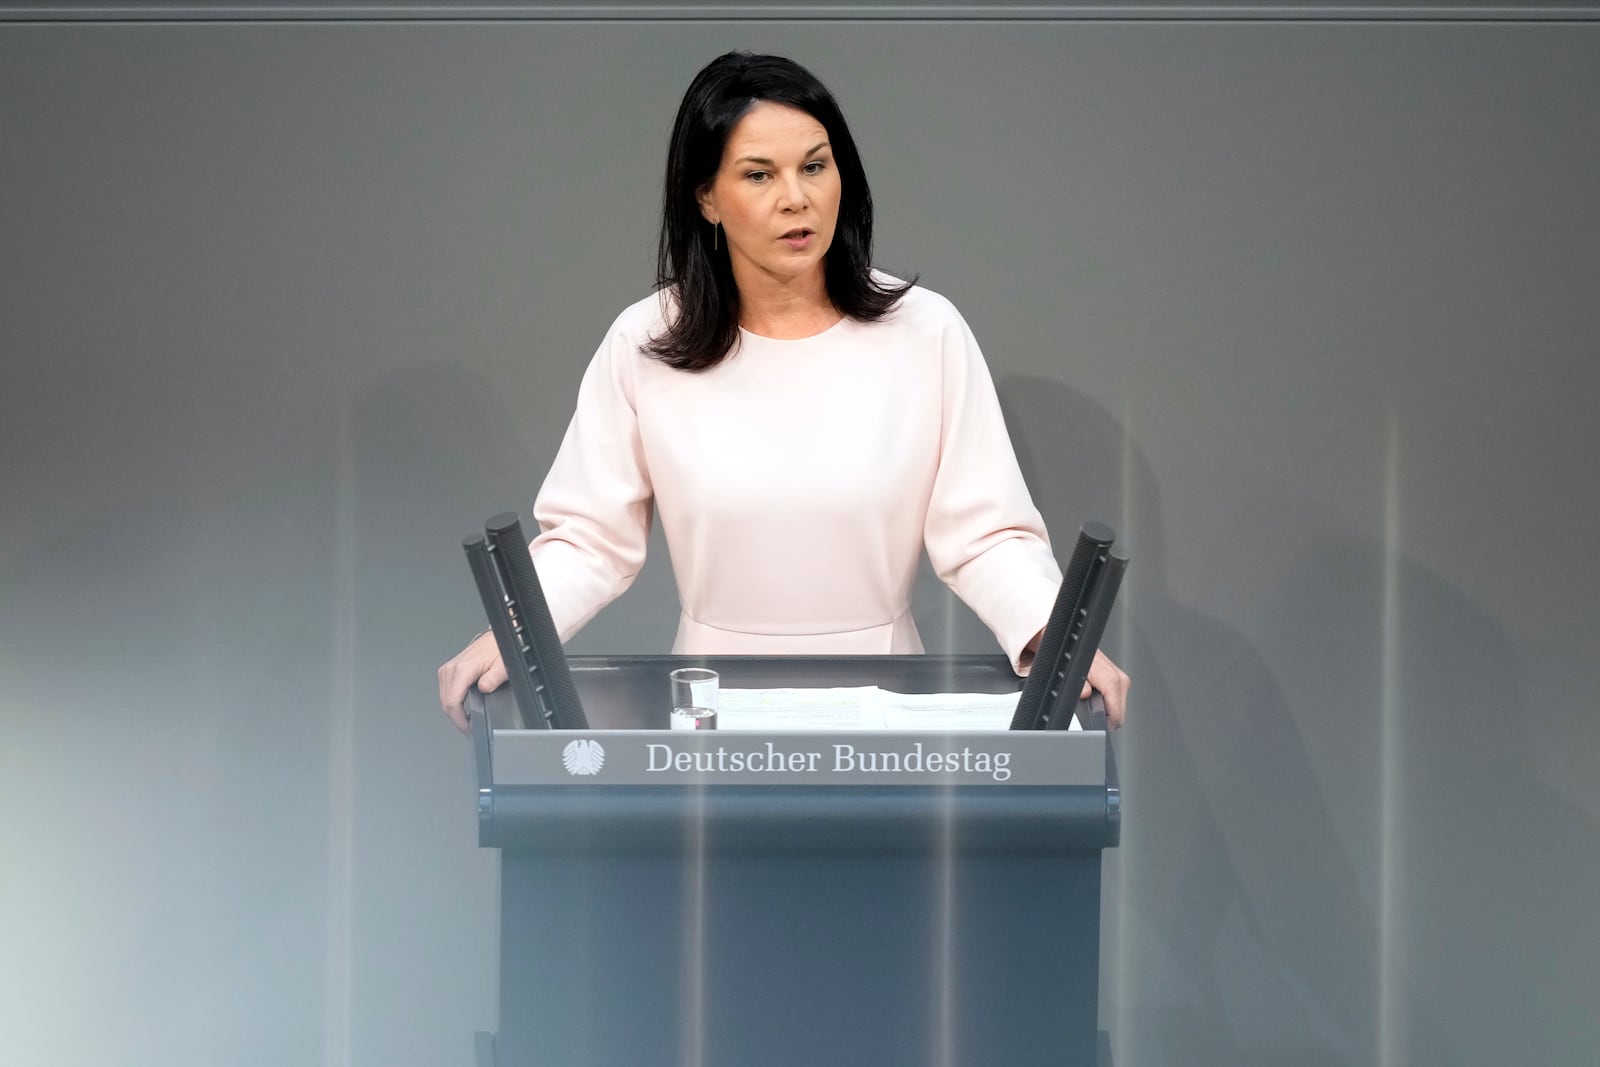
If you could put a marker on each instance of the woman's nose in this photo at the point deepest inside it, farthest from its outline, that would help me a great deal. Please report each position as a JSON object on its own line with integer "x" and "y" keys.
{"x": 792, "y": 194}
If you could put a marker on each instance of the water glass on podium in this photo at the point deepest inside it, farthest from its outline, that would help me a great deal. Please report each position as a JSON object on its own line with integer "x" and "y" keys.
{"x": 694, "y": 698}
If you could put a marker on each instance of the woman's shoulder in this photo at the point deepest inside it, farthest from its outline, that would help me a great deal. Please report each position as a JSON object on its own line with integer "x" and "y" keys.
{"x": 919, "y": 307}
{"x": 645, "y": 318}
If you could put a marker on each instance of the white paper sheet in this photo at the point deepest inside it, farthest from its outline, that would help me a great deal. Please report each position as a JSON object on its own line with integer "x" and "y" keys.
{"x": 864, "y": 708}
{"x": 948, "y": 711}
{"x": 850, "y": 708}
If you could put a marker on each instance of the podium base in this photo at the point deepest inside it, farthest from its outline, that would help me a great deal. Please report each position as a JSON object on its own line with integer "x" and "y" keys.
{"x": 485, "y": 1055}
{"x": 619, "y": 961}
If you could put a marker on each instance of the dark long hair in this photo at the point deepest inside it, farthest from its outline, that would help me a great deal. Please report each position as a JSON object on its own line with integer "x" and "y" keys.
{"x": 705, "y": 326}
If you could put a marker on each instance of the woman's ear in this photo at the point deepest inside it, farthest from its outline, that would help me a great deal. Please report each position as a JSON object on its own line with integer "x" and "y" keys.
{"x": 708, "y": 210}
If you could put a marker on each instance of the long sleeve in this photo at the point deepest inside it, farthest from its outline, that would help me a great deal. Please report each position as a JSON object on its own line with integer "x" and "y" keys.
{"x": 594, "y": 510}
{"x": 983, "y": 535}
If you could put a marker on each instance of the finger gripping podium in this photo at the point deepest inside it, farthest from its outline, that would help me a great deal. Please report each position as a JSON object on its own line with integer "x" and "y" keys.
{"x": 733, "y": 898}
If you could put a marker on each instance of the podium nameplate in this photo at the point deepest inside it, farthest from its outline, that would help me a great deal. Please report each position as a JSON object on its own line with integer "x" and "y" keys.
{"x": 579, "y": 758}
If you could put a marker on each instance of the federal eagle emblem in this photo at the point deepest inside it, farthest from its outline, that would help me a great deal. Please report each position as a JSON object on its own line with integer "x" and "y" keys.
{"x": 583, "y": 757}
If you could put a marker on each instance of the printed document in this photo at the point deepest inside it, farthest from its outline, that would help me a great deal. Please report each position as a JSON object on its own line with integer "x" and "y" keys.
{"x": 864, "y": 707}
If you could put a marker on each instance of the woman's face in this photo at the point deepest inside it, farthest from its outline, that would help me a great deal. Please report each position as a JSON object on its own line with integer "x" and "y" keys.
{"x": 776, "y": 194}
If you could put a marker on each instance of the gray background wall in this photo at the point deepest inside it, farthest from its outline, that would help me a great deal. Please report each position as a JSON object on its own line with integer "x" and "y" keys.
{"x": 1304, "y": 306}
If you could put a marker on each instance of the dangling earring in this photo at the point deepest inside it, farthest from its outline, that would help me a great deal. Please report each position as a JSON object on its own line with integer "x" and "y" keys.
{"x": 715, "y": 227}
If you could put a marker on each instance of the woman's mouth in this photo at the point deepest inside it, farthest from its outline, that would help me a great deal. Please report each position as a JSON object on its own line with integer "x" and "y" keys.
{"x": 797, "y": 239}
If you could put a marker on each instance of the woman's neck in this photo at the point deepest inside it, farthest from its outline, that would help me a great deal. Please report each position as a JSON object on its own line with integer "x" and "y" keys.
{"x": 785, "y": 308}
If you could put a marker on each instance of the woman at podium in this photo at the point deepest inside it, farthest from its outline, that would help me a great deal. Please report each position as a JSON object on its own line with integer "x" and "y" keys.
{"x": 803, "y": 425}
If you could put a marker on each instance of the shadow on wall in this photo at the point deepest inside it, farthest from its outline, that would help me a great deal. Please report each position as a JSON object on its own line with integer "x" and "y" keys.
{"x": 1073, "y": 469}
{"x": 1494, "y": 946}
{"x": 1238, "y": 928}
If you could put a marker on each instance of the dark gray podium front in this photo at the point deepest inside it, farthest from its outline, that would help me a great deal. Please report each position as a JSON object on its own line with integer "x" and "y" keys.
{"x": 742, "y": 899}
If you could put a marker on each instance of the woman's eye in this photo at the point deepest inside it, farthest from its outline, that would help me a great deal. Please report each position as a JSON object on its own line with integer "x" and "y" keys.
{"x": 815, "y": 166}
{"x": 757, "y": 176}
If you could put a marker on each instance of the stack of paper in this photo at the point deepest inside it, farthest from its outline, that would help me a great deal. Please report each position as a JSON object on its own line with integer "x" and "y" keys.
{"x": 864, "y": 707}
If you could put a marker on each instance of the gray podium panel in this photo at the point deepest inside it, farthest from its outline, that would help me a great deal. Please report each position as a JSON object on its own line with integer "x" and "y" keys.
{"x": 765, "y": 898}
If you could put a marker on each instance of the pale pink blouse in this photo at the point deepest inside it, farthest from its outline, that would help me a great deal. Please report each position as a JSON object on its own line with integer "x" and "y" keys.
{"x": 797, "y": 482}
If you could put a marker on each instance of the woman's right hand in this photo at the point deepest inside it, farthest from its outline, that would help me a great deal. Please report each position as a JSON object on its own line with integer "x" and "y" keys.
{"x": 478, "y": 663}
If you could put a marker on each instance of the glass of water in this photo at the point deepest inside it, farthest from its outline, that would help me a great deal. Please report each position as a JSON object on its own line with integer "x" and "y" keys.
{"x": 694, "y": 699}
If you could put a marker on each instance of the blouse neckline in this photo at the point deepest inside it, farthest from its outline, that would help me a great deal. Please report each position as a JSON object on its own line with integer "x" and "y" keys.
{"x": 764, "y": 339}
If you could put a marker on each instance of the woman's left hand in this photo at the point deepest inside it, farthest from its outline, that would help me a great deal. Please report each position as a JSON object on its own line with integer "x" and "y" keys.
{"x": 1112, "y": 684}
